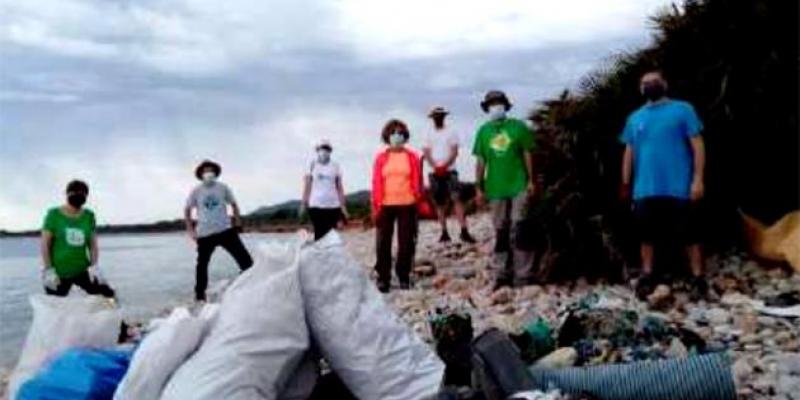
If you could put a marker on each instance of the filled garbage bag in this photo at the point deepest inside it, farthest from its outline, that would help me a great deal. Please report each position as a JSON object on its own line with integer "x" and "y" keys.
{"x": 257, "y": 340}
{"x": 778, "y": 242}
{"x": 78, "y": 374}
{"x": 373, "y": 352}
{"x": 161, "y": 352}
{"x": 60, "y": 323}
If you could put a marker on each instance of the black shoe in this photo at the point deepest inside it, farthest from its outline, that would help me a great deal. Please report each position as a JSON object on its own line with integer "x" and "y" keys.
{"x": 466, "y": 237}
{"x": 501, "y": 283}
{"x": 445, "y": 238}
{"x": 698, "y": 288}
{"x": 405, "y": 285}
{"x": 383, "y": 286}
{"x": 645, "y": 286}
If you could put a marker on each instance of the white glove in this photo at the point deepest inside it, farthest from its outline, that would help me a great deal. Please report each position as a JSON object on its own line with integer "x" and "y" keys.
{"x": 50, "y": 278}
{"x": 95, "y": 275}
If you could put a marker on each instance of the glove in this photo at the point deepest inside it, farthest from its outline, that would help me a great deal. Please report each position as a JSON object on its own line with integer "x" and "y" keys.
{"x": 50, "y": 278}
{"x": 95, "y": 275}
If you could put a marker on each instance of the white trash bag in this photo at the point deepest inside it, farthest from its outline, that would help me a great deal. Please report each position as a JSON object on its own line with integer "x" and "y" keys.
{"x": 60, "y": 323}
{"x": 257, "y": 340}
{"x": 161, "y": 352}
{"x": 375, "y": 353}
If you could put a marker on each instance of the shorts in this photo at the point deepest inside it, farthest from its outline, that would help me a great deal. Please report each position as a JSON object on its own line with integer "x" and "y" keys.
{"x": 660, "y": 219}
{"x": 444, "y": 188}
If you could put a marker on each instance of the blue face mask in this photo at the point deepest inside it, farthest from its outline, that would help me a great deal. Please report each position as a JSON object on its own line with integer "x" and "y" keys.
{"x": 397, "y": 139}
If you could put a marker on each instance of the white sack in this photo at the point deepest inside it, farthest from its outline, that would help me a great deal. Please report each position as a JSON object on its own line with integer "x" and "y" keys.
{"x": 60, "y": 323}
{"x": 256, "y": 342}
{"x": 376, "y": 354}
{"x": 161, "y": 352}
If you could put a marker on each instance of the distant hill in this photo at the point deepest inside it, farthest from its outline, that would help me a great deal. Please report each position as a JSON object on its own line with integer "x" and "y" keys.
{"x": 286, "y": 212}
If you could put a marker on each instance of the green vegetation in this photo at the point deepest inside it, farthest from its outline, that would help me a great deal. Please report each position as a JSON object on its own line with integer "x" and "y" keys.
{"x": 737, "y": 63}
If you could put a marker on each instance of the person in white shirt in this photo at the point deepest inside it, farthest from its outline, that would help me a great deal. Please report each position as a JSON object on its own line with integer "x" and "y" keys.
{"x": 323, "y": 192}
{"x": 440, "y": 152}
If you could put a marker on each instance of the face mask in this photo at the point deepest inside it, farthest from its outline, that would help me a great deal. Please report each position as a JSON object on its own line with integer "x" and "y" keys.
{"x": 497, "y": 111}
{"x": 397, "y": 139}
{"x": 653, "y": 91}
{"x": 209, "y": 177}
{"x": 323, "y": 155}
{"x": 76, "y": 200}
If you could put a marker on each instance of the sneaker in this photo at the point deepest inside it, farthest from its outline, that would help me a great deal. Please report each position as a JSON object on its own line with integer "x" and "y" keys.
{"x": 383, "y": 286}
{"x": 645, "y": 286}
{"x": 466, "y": 237}
{"x": 445, "y": 238}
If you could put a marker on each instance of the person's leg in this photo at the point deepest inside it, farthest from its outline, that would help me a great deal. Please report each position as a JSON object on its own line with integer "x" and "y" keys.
{"x": 383, "y": 247}
{"x": 406, "y": 243}
{"x": 645, "y": 215}
{"x": 440, "y": 194}
{"x": 231, "y": 242}
{"x": 64, "y": 285}
{"x": 522, "y": 258}
{"x": 646, "y": 253}
{"x": 458, "y": 208}
{"x": 92, "y": 287}
{"x": 205, "y": 247}
{"x": 316, "y": 221}
{"x": 501, "y": 220}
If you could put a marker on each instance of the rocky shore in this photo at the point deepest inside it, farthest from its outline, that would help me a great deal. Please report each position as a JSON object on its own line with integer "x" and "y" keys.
{"x": 456, "y": 278}
{"x": 765, "y": 349}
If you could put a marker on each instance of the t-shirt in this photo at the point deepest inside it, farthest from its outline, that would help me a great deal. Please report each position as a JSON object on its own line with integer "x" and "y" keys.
{"x": 397, "y": 190}
{"x": 72, "y": 236}
{"x": 211, "y": 202}
{"x": 440, "y": 141}
{"x": 659, "y": 134}
{"x": 502, "y": 145}
{"x": 323, "y": 185}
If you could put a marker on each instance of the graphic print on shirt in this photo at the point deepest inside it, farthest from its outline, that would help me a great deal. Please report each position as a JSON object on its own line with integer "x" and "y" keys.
{"x": 75, "y": 237}
{"x": 211, "y": 202}
{"x": 501, "y": 142}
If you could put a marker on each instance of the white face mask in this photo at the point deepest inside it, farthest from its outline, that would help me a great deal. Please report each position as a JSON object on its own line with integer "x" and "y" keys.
{"x": 497, "y": 111}
{"x": 209, "y": 177}
{"x": 396, "y": 139}
{"x": 323, "y": 155}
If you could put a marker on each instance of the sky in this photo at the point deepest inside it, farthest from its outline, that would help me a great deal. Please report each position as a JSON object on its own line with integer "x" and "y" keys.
{"x": 130, "y": 95}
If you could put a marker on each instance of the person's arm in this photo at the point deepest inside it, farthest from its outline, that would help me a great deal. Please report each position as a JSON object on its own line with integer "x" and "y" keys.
{"x": 94, "y": 250}
{"x": 428, "y": 156}
{"x": 46, "y": 245}
{"x": 306, "y": 193}
{"x": 342, "y": 197}
{"x": 187, "y": 217}
{"x": 237, "y": 215}
{"x": 627, "y": 173}
{"x": 699, "y": 157}
{"x": 529, "y": 168}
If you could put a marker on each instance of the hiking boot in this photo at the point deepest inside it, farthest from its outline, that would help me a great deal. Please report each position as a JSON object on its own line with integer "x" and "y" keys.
{"x": 698, "y": 288}
{"x": 445, "y": 238}
{"x": 645, "y": 286}
{"x": 466, "y": 237}
{"x": 383, "y": 286}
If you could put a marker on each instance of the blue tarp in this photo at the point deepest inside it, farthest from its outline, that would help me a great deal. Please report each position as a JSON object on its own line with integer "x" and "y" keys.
{"x": 78, "y": 374}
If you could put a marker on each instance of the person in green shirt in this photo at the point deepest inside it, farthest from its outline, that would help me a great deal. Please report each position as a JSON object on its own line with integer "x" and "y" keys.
{"x": 69, "y": 246}
{"x": 504, "y": 177}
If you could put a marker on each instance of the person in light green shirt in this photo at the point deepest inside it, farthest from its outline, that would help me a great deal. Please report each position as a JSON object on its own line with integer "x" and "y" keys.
{"x": 504, "y": 176}
{"x": 69, "y": 246}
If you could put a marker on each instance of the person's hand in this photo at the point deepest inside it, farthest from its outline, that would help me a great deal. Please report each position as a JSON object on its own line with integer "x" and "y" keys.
{"x": 50, "y": 279}
{"x": 531, "y": 189}
{"x": 698, "y": 189}
{"x": 95, "y": 275}
{"x": 301, "y": 210}
{"x": 624, "y": 192}
{"x": 192, "y": 234}
{"x": 345, "y": 214}
{"x": 480, "y": 197}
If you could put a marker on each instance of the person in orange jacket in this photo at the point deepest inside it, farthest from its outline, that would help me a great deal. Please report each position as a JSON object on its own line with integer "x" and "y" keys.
{"x": 396, "y": 193}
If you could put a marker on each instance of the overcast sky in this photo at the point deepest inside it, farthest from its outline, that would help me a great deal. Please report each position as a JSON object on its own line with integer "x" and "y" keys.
{"x": 130, "y": 95}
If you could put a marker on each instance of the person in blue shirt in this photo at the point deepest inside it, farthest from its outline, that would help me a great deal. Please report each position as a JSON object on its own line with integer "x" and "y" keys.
{"x": 664, "y": 161}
